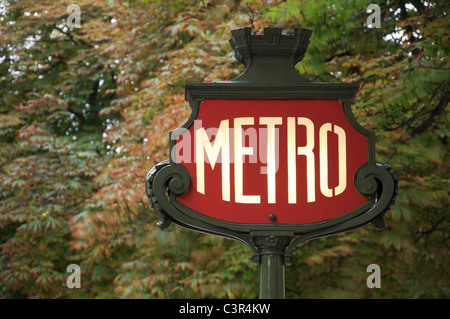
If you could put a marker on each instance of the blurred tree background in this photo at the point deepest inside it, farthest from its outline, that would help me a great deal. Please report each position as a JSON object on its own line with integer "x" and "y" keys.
{"x": 85, "y": 113}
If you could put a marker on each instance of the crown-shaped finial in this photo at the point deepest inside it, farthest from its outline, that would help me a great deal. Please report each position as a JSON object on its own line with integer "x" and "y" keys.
{"x": 272, "y": 42}
{"x": 278, "y": 53}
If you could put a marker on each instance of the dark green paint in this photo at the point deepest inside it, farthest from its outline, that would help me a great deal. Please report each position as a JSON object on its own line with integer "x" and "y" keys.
{"x": 270, "y": 74}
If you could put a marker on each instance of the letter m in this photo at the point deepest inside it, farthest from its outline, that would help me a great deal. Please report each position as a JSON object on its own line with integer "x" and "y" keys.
{"x": 202, "y": 146}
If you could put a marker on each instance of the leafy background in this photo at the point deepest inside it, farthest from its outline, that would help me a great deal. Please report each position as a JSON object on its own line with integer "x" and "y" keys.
{"x": 85, "y": 113}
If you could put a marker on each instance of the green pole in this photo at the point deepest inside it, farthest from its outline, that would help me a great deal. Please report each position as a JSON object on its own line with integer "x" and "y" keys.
{"x": 271, "y": 277}
{"x": 271, "y": 262}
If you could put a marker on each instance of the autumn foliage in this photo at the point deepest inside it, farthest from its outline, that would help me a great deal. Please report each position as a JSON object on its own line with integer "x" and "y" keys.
{"x": 85, "y": 113}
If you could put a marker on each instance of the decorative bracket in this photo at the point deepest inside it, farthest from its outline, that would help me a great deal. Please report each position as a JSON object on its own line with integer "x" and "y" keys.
{"x": 166, "y": 181}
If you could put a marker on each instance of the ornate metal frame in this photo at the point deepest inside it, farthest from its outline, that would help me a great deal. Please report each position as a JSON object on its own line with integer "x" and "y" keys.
{"x": 270, "y": 74}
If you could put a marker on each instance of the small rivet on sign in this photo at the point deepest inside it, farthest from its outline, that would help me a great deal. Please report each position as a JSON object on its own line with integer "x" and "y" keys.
{"x": 273, "y": 217}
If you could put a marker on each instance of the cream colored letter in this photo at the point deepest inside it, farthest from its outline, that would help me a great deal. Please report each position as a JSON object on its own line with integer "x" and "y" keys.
{"x": 239, "y": 152}
{"x": 271, "y": 156}
{"x": 203, "y": 144}
{"x": 307, "y": 151}
{"x": 342, "y": 160}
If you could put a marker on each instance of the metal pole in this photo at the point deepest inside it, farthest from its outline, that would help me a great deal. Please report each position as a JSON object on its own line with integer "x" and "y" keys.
{"x": 271, "y": 262}
{"x": 271, "y": 285}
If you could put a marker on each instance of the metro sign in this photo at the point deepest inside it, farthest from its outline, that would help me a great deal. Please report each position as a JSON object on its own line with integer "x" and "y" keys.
{"x": 269, "y": 158}
{"x": 295, "y": 161}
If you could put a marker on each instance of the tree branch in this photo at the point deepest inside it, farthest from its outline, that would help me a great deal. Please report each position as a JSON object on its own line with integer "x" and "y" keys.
{"x": 419, "y": 6}
{"x": 72, "y": 38}
{"x": 438, "y": 110}
{"x": 424, "y": 67}
{"x": 426, "y": 232}
{"x": 250, "y": 13}
{"x": 346, "y": 53}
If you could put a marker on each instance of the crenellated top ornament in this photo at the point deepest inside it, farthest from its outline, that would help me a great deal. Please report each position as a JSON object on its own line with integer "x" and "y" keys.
{"x": 276, "y": 52}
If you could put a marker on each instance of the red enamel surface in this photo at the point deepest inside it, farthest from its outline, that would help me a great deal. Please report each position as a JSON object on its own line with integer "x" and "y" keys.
{"x": 213, "y": 111}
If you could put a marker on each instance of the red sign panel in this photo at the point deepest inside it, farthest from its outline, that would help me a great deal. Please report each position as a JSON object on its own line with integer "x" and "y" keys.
{"x": 292, "y": 159}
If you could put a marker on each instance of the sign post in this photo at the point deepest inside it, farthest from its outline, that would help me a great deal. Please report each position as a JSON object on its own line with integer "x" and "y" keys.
{"x": 271, "y": 159}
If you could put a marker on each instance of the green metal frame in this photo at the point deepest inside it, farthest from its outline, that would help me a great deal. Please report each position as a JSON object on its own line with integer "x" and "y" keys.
{"x": 270, "y": 74}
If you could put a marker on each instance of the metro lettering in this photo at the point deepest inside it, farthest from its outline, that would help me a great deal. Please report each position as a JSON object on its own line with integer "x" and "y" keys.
{"x": 221, "y": 145}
